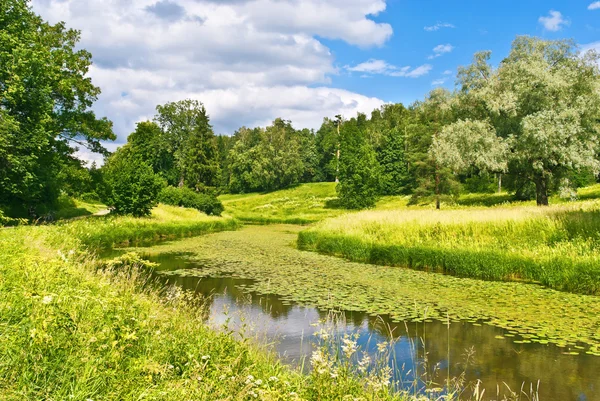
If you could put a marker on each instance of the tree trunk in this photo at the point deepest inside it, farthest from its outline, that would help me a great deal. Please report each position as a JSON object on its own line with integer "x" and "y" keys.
{"x": 437, "y": 189}
{"x": 181, "y": 181}
{"x": 499, "y": 183}
{"x": 337, "y": 166}
{"x": 541, "y": 191}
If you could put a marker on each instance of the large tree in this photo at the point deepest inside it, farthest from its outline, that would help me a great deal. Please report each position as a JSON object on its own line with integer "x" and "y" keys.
{"x": 360, "y": 173}
{"x": 45, "y": 100}
{"x": 542, "y": 103}
{"x": 191, "y": 140}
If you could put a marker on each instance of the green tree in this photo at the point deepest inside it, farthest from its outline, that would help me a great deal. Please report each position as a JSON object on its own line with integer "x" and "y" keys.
{"x": 543, "y": 102}
{"x": 432, "y": 178}
{"x": 360, "y": 172}
{"x": 149, "y": 142}
{"x": 191, "y": 140}
{"x": 45, "y": 100}
{"x": 131, "y": 187}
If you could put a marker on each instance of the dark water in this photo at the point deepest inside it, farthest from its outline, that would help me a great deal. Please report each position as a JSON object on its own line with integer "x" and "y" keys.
{"x": 430, "y": 349}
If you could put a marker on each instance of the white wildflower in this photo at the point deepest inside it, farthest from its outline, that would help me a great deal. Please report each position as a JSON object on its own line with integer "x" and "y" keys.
{"x": 258, "y": 382}
{"x": 273, "y": 379}
{"x": 47, "y": 299}
{"x": 349, "y": 346}
{"x": 205, "y": 357}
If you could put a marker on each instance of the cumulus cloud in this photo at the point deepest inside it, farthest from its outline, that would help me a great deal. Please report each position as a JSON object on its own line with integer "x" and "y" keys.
{"x": 594, "y": 6}
{"x": 554, "y": 21}
{"x": 248, "y": 61}
{"x": 440, "y": 50}
{"x": 438, "y": 26}
{"x": 375, "y": 66}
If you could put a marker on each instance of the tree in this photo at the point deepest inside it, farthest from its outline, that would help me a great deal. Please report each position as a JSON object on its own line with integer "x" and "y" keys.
{"x": 326, "y": 142}
{"x": 191, "y": 140}
{"x": 389, "y": 129}
{"x": 432, "y": 178}
{"x": 149, "y": 142}
{"x": 359, "y": 171}
{"x": 543, "y": 102}
{"x": 132, "y": 188}
{"x": 266, "y": 159}
{"x": 45, "y": 100}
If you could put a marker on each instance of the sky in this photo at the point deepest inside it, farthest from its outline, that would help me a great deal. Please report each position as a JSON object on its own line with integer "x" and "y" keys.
{"x": 251, "y": 61}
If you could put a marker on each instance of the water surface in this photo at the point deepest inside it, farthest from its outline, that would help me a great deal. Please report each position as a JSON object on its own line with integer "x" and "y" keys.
{"x": 479, "y": 351}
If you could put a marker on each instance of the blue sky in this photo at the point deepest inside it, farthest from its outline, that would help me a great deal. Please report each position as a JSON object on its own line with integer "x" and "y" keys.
{"x": 478, "y": 25}
{"x": 251, "y": 61}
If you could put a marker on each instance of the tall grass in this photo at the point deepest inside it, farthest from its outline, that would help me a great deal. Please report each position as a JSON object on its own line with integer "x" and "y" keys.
{"x": 557, "y": 247}
{"x": 165, "y": 222}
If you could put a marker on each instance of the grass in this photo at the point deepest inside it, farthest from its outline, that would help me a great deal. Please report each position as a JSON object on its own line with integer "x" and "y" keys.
{"x": 304, "y": 204}
{"x": 556, "y": 246}
{"x": 166, "y": 222}
{"x": 70, "y": 330}
{"x": 78, "y": 208}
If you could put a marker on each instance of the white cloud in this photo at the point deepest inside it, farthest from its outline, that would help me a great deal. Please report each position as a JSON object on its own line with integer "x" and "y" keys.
{"x": 439, "y": 82}
{"x": 448, "y": 72}
{"x": 554, "y": 21}
{"x": 375, "y": 66}
{"x": 594, "y": 6}
{"x": 249, "y": 61}
{"x": 438, "y": 26}
{"x": 440, "y": 50}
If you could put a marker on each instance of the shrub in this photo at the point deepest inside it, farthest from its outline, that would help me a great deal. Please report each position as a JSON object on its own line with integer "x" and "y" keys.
{"x": 186, "y": 197}
{"x": 132, "y": 188}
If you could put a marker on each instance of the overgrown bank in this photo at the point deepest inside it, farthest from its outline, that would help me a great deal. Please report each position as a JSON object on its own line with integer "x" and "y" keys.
{"x": 72, "y": 332}
{"x": 557, "y": 247}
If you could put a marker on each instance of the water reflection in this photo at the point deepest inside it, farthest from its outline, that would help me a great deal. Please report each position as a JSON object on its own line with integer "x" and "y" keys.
{"x": 433, "y": 348}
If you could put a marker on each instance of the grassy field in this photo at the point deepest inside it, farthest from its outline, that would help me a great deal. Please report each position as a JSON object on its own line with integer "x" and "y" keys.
{"x": 304, "y": 204}
{"x": 70, "y": 330}
{"x": 555, "y": 246}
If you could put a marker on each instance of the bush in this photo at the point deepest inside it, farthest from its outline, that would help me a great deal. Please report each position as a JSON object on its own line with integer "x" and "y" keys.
{"x": 132, "y": 188}
{"x": 186, "y": 197}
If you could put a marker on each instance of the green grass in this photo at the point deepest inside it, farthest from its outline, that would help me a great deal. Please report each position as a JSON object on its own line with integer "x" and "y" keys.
{"x": 166, "y": 222}
{"x": 557, "y": 246}
{"x": 78, "y": 208}
{"x": 304, "y": 204}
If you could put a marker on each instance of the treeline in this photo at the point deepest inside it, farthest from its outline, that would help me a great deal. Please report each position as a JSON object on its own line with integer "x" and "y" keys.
{"x": 529, "y": 126}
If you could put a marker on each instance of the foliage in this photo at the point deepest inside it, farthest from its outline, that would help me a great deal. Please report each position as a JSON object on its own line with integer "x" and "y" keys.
{"x": 45, "y": 101}
{"x": 189, "y": 138}
{"x": 185, "y": 197}
{"x": 543, "y": 104}
{"x": 267, "y": 159}
{"x": 131, "y": 186}
{"x": 359, "y": 170}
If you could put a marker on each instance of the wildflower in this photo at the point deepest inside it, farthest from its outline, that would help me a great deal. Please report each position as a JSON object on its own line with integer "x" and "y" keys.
{"x": 273, "y": 379}
{"x": 222, "y": 377}
{"x": 381, "y": 347}
{"x": 320, "y": 362}
{"x": 364, "y": 363}
{"x": 47, "y": 299}
{"x": 349, "y": 346}
{"x": 258, "y": 382}
{"x": 205, "y": 357}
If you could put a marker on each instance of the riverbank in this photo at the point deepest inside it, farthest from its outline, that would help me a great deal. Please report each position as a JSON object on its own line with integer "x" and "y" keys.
{"x": 555, "y": 246}
{"x": 71, "y": 331}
